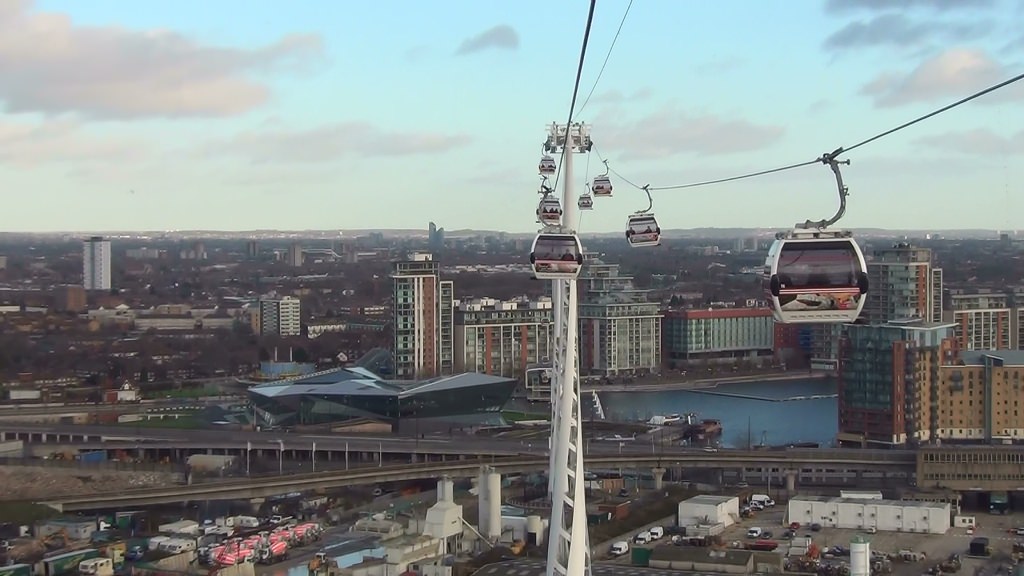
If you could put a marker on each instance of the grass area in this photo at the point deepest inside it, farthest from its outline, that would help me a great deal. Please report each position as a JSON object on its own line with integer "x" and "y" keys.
{"x": 517, "y": 416}
{"x": 17, "y": 512}
{"x": 180, "y": 423}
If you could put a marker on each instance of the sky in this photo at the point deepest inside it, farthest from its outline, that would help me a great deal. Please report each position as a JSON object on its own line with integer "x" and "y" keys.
{"x": 233, "y": 115}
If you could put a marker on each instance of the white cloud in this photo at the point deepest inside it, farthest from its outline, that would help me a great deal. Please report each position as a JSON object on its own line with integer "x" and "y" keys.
{"x": 28, "y": 145}
{"x": 51, "y": 65}
{"x": 333, "y": 142}
{"x": 668, "y": 132}
{"x": 979, "y": 142}
{"x": 501, "y": 37}
{"x": 958, "y": 72}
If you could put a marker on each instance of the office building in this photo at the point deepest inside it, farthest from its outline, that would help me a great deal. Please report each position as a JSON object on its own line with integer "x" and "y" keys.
{"x": 903, "y": 284}
{"x": 720, "y": 335}
{"x": 423, "y": 319}
{"x": 346, "y": 394}
{"x": 96, "y": 264}
{"x": 982, "y": 318}
{"x": 281, "y": 316}
{"x": 620, "y": 329}
{"x": 502, "y": 338}
{"x": 888, "y": 377}
{"x": 980, "y": 397}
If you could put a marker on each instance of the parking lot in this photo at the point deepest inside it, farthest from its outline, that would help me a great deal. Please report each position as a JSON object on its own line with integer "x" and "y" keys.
{"x": 934, "y": 547}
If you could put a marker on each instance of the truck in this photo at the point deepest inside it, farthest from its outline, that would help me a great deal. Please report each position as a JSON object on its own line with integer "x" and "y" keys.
{"x": 96, "y": 567}
{"x": 66, "y": 563}
{"x": 179, "y": 527}
{"x": 272, "y": 553}
{"x": 763, "y": 499}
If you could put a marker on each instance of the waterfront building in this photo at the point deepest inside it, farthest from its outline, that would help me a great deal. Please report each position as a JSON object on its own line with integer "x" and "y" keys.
{"x": 722, "y": 335}
{"x": 620, "y": 329}
{"x": 888, "y": 377}
{"x": 502, "y": 338}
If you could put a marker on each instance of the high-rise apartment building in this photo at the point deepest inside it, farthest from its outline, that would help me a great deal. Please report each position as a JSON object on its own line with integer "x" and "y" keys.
{"x": 96, "y": 264}
{"x": 981, "y": 398}
{"x": 620, "y": 330}
{"x": 903, "y": 284}
{"x": 982, "y": 318}
{"x": 502, "y": 338}
{"x": 717, "y": 335}
{"x": 281, "y": 316}
{"x": 423, "y": 319}
{"x": 889, "y": 376}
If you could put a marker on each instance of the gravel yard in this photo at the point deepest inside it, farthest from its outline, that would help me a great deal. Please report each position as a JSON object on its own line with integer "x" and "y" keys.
{"x": 31, "y": 483}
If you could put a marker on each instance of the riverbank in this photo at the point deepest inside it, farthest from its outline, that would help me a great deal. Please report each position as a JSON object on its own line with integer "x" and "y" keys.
{"x": 655, "y": 384}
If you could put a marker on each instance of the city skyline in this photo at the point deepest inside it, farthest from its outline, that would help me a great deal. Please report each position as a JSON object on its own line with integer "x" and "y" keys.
{"x": 189, "y": 117}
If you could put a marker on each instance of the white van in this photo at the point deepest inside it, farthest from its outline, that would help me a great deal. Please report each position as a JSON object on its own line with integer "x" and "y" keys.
{"x": 763, "y": 500}
{"x": 642, "y": 537}
{"x": 619, "y": 548}
{"x": 754, "y": 532}
{"x": 657, "y": 532}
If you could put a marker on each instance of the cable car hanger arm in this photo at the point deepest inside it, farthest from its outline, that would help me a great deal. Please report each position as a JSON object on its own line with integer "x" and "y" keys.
{"x": 833, "y": 163}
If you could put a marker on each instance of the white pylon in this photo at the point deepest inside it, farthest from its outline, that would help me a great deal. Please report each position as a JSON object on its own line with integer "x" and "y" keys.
{"x": 568, "y": 539}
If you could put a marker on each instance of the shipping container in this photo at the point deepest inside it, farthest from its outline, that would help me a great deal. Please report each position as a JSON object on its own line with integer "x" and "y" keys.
{"x": 641, "y": 556}
{"x": 25, "y": 394}
{"x": 93, "y": 456}
{"x": 16, "y": 570}
{"x": 66, "y": 563}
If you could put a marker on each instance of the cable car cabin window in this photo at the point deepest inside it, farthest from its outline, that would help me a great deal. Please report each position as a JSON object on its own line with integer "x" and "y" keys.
{"x": 804, "y": 266}
{"x": 556, "y": 250}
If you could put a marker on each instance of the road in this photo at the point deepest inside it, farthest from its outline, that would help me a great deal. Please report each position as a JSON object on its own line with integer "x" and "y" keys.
{"x": 22, "y": 410}
{"x": 125, "y": 437}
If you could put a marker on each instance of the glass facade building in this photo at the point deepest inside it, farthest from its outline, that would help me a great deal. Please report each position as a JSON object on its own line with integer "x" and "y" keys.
{"x": 345, "y": 394}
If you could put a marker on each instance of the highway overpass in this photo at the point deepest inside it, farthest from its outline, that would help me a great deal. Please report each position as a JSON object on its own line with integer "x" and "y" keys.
{"x": 791, "y": 460}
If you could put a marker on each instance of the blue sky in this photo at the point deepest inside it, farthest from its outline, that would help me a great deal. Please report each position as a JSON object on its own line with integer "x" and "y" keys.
{"x": 238, "y": 115}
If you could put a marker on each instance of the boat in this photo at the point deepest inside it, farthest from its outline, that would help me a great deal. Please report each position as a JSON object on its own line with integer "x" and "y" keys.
{"x": 703, "y": 430}
{"x": 666, "y": 420}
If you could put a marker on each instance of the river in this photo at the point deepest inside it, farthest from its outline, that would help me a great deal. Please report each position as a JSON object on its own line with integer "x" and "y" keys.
{"x": 778, "y": 412}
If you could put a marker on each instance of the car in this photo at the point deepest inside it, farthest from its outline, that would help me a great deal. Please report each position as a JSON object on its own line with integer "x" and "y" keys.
{"x": 710, "y": 449}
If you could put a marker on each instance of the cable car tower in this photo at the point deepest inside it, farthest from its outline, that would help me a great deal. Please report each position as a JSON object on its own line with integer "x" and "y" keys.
{"x": 568, "y": 540}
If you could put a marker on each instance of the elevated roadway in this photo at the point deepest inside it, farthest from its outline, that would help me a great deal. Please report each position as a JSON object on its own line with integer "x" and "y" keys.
{"x": 467, "y": 467}
{"x": 19, "y": 411}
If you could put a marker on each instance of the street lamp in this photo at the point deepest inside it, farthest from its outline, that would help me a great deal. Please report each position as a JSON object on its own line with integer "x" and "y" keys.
{"x": 280, "y": 457}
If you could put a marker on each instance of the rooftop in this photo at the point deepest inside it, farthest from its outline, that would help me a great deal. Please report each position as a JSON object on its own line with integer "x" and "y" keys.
{"x": 710, "y": 499}
{"x": 977, "y": 357}
{"x": 362, "y": 382}
{"x": 536, "y": 568}
{"x": 861, "y": 501}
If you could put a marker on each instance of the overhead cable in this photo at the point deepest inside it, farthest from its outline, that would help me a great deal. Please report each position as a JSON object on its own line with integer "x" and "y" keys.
{"x": 825, "y": 158}
{"x": 606, "y": 57}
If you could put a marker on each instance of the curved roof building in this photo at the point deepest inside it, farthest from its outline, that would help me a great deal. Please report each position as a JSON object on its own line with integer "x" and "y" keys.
{"x": 341, "y": 394}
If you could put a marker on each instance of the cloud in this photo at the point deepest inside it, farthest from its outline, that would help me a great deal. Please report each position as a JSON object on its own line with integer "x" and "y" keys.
{"x": 980, "y": 142}
{"x": 500, "y": 37}
{"x": 900, "y": 31}
{"x": 839, "y": 6}
{"x": 64, "y": 141}
{"x": 956, "y": 72}
{"x": 668, "y": 133}
{"x": 332, "y": 142}
{"x": 49, "y": 64}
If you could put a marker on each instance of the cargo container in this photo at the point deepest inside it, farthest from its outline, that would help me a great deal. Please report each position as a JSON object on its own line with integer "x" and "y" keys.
{"x": 15, "y": 395}
{"x": 93, "y": 456}
{"x": 66, "y": 563}
{"x": 179, "y": 527}
{"x": 641, "y": 556}
{"x": 16, "y": 570}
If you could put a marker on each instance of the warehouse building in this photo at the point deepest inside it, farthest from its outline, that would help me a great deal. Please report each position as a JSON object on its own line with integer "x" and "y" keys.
{"x": 882, "y": 515}
{"x": 709, "y": 510}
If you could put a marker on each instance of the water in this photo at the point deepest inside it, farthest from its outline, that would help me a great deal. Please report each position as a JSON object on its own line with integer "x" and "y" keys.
{"x": 779, "y": 412}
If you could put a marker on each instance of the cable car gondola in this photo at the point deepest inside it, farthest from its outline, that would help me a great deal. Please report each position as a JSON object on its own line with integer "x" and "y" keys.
{"x": 585, "y": 202}
{"x": 642, "y": 230}
{"x": 602, "y": 186}
{"x": 549, "y": 211}
{"x": 547, "y": 165}
{"x": 815, "y": 276}
{"x": 556, "y": 256}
